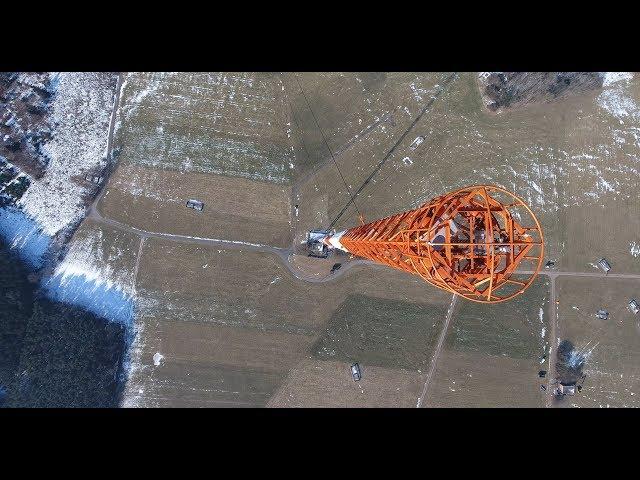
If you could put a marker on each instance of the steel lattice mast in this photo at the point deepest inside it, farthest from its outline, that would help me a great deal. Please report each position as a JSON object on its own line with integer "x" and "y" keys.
{"x": 468, "y": 242}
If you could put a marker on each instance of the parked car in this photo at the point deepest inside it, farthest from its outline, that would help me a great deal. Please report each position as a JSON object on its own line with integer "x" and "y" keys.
{"x": 355, "y": 372}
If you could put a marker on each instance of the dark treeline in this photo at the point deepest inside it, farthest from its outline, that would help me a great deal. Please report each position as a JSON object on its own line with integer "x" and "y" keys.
{"x": 53, "y": 355}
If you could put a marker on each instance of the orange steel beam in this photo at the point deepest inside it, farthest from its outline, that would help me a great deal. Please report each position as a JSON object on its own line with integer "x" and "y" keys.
{"x": 468, "y": 242}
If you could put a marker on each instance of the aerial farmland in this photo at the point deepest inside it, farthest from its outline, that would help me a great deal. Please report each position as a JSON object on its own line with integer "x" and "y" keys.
{"x": 221, "y": 305}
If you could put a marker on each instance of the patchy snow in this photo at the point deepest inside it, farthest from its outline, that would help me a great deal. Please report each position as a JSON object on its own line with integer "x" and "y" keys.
{"x": 618, "y": 104}
{"x": 418, "y": 92}
{"x": 133, "y": 103}
{"x": 24, "y": 236}
{"x": 634, "y": 249}
{"x": 135, "y": 369}
{"x": 158, "y": 359}
{"x": 606, "y": 186}
{"x": 86, "y": 257}
{"x": 235, "y": 124}
{"x": 615, "y": 99}
{"x": 88, "y": 277}
{"x": 81, "y": 110}
{"x": 611, "y": 78}
{"x": 138, "y": 188}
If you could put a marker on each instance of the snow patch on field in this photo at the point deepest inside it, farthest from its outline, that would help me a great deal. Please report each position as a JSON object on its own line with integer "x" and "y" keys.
{"x": 611, "y": 78}
{"x": 158, "y": 359}
{"x": 618, "y": 104}
{"x": 87, "y": 278}
{"x": 134, "y": 102}
{"x": 81, "y": 110}
{"x": 221, "y": 123}
{"x": 87, "y": 257}
{"x": 140, "y": 189}
{"x": 615, "y": 99}
{"x": 634, "y": 249}
{"x": 135, "y": 370}
{"x": 24, "y": 236}
{"x": 604, "y": 185}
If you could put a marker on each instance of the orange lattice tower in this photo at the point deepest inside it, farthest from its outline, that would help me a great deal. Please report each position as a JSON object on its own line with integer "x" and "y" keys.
{"x": 468, "y": 242}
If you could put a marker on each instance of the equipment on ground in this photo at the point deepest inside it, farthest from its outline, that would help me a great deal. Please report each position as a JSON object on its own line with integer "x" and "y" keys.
{"x": 315, "y": 246}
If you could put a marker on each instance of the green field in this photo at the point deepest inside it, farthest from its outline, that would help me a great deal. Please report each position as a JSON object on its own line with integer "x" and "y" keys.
{"x": 377, "y": 331}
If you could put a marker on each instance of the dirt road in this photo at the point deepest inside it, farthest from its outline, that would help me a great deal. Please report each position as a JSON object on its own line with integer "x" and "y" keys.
{"x": 436, "y": 353}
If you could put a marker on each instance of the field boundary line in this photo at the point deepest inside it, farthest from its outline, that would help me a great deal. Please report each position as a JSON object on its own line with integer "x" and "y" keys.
{"x": 436, "y": 354}
{"x": 140, "y": 247}
{"x": 552, "y": 340}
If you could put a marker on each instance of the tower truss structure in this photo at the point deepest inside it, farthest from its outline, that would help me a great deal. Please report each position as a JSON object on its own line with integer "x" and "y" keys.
{"x": 469, "y": 242}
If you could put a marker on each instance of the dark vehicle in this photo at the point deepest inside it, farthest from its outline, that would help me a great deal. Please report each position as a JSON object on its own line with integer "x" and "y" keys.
{"x": 355, "y": 372}
{"x": 336, "y": 266}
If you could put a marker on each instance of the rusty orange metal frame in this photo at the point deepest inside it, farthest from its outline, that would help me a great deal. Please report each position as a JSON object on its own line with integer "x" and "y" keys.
{"x": 467, "y": 242}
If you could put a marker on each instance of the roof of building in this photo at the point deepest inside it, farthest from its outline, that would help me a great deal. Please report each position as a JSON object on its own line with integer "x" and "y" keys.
{"x": 568, "y": 389}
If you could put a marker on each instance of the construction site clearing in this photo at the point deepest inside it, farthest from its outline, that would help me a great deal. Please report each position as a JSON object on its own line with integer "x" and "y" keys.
{"x": 374, "y": 239}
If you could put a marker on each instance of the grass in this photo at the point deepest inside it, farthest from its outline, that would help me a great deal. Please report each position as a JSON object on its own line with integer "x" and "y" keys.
{"x": 383, "y": 332}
